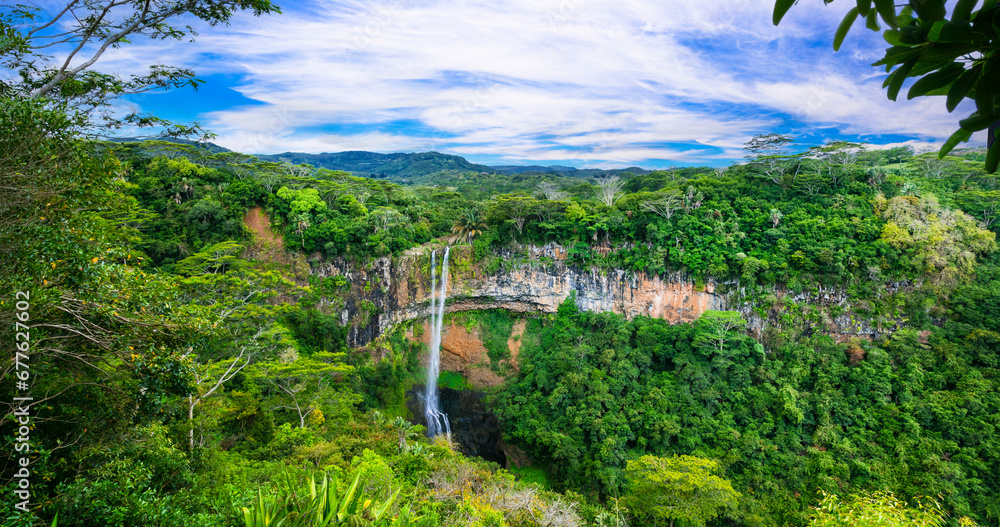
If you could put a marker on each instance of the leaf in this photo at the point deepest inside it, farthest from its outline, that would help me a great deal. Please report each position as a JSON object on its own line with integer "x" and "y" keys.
{"x": 864, "y": 6}
{"x": 844, "y": 27}
{"x": 938, "y": 79}
{"x": 984, "y": 99}
{"x": 960, "y": 136}
{"x": 993, "y": 155}
{"x": 991, "y": 82}
{"x": 780, "y": 8}
{"x": 895, "y": 55}
{"x": 349, "y": 504}
{"x": 930, "y": 10}
{"x": 935, "y": 33}
{"x": 961, "y": 87}
{"x": 946, "y": 51}
{"x": 963, "y": 10}
{"x": 887, "y": 10}
{"x": 871, "y": 21}
{"x": 905, "y": 16}
{"x": 382, "y": 512}
{"x": 895, "y": 81}
{"x": 976, "y": 122}
{"x": 957, "y": 33}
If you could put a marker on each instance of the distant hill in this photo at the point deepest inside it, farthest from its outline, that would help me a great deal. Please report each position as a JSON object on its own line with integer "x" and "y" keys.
{"x": 211, "y": 147}
{"x": 567, "y": 171}
{"x": 392, "y": 166}
{"x": 401, "y": 167}
{"x": 519, "y": 169}
{"x": 601, "y": 172}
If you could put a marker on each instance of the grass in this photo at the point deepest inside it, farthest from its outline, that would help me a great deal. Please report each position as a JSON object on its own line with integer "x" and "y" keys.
{"x": 453, "y": 380}
{"x": 535, "y": 475}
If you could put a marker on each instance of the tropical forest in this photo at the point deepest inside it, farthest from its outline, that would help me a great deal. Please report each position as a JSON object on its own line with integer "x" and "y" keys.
{"x": 204, "y": 333}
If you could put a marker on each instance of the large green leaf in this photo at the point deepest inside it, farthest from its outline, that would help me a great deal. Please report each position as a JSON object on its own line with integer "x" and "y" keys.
{"x": 938, "y": 79}
{"x": 962, "y": 86}
{"x": 887, "y": 10}
{"x": 844, "y": 27}
{"x": 960, "y": 136}
{"x": 993, "y": 155}
{"x": 871, "y": 20}
{"x": 976, "y": 122}
{"x": 895, "y": 81}
{"x": 864, "y": 6}
{"x": 780, "y": 8}
{"x": 892, "y": 37}
{"x": 957, "y": 32}
{"x": 930, "y": 10}
{"x": 984, "y": 98}
{"x": 963, "y": 10}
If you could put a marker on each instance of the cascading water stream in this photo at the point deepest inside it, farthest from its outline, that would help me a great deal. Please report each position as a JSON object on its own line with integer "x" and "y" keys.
{"x": 437, "y": 421}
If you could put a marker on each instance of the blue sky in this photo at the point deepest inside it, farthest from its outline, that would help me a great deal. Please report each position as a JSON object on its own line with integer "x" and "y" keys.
{"x": 570, "y": 82}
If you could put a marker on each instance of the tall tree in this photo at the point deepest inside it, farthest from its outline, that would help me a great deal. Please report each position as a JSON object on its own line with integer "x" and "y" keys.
{"x": 678, "y": 488}
{"x": 715, "y": 328}
{"x": 609, "y": 190}
{"x": 769, "y": 153}
{"x": 469, "y": 225}
{"x": 242, "y": 318}
{"x": 306, "y": 382}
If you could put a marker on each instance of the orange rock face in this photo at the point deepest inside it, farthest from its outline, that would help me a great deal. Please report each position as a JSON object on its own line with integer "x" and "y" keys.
{"x": 463, "y": 351}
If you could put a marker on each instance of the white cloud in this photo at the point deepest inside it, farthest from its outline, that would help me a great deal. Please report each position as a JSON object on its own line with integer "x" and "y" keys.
{"x": 528, "y": 79}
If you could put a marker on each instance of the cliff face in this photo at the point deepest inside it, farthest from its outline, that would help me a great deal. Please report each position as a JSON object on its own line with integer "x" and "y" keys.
{"x": 388, "y": 291}
{"x": 463, "y": 351}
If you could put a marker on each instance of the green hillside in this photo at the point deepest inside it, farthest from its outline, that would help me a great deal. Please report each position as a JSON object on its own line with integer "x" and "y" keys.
{"x": 391, "y": 166}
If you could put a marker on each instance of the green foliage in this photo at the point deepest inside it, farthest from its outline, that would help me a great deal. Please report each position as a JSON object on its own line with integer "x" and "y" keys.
{"x": 326, "y": 504}
{"x": 951, "y": 57}
{"x": 678, "y": 488}
{"x": 595, "y": 391}
{"x": 132, "y": 484}
{"x": 468, "y": 226}
{"x": 875, "y": 509}
{"x": 940, "y": 243}
{"x": 217, "y": 258}
{"x": 453, "y": 380}
{"x": 534, "y": 475}
{"x": 72, "y": 82}
{"x": 495, "y": 327}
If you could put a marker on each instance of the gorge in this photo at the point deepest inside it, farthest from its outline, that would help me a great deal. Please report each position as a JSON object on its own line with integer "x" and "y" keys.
{"x": 535, "y": 279}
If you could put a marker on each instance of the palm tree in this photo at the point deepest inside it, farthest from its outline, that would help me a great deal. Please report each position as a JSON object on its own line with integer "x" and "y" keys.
{"x": 468, "y": 226}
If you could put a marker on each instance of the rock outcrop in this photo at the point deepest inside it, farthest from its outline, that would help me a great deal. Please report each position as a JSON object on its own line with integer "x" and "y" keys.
{"x": 387, "y": 292}
{"x": 463, "y": 351}
{"x": 536, "y": 279}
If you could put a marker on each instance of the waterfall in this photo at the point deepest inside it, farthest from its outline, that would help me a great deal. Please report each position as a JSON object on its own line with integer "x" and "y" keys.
{"x": 437, "y": 421}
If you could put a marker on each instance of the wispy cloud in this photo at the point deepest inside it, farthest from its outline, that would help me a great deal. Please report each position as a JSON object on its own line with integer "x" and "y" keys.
{"x": 600, "y": 81}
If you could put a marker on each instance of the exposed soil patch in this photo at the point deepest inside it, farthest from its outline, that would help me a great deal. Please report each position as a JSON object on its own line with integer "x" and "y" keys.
{"x": 514, "y": 342}
{"x": 267, "y": 245}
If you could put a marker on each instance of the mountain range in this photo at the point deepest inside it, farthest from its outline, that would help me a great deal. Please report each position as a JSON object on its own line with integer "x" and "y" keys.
{"x": 402, "y": 166}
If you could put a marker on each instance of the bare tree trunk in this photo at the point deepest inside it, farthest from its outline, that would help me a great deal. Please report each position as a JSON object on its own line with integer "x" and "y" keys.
{"x": 191, "y": 403}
